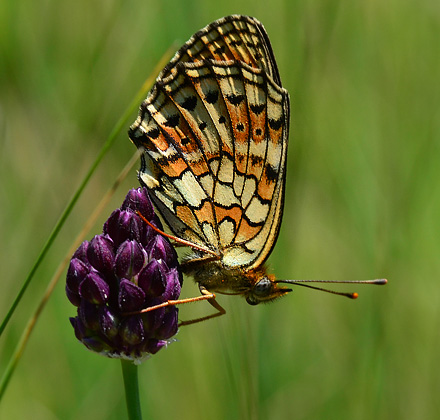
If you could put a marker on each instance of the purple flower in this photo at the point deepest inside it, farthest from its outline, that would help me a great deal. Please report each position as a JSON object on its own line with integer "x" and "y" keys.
{"x": 117, "y": 275}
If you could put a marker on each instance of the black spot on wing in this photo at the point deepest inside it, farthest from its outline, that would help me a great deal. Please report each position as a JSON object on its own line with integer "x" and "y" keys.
{"x": 256, "y": 159}
{"x": 172, "y": 121}
{"x": 235, "y": 99}
{"x": 165, "y": 161}
{"x": 189, "y": 103}
{"x": 153, "y": 134}
{"x": 211, "y": 97}
{"x": 276, "y": 124}
{"x": 240, "y": 127}
{"x": 219, "y": 50}
{"x": 271, "y": 173}
{"x": 236, "y": 43}
{"x": 258, "y": 109}
{"x": 240, "y": 157}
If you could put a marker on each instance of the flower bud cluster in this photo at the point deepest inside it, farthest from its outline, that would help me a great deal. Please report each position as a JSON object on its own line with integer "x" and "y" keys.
{"x": 116, "y": 275}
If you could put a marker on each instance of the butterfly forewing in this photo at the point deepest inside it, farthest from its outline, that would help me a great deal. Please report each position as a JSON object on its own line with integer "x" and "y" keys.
{"x": 214, "y": 133}
{"x": 236, "y": 38}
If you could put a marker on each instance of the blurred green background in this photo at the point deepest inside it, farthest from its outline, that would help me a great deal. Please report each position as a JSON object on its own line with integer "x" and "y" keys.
{"x": 362, "y": 201}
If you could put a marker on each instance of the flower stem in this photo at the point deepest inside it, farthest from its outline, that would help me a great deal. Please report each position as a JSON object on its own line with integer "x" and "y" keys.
{"x": 130, "y": 373}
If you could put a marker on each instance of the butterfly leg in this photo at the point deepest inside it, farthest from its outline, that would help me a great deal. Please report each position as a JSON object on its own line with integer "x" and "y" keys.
{"x": 173, "y": 303}
{"x": 182, "y": 242}
{"x": 210, "y": 297}
{"x": 206, "y": 295}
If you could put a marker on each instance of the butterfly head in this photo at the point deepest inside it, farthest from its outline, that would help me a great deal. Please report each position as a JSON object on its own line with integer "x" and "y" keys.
{"x": 264, "y": 289}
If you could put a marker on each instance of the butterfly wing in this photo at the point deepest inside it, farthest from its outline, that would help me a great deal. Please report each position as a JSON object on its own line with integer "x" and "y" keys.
{"x": 214, "y": 132}
{"x": 232, "y": 38}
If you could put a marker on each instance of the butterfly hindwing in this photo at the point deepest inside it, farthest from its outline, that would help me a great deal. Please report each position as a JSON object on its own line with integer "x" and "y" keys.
{"x": 214, "y": 133}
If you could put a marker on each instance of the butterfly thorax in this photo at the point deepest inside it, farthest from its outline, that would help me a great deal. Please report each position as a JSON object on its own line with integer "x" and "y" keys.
{"x": 255, "y": 284}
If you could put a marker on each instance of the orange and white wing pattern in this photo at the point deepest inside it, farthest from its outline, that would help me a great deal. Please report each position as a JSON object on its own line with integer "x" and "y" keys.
{"x": 214, "y": 133}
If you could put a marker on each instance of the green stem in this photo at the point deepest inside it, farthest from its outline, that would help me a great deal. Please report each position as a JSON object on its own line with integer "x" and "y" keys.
{"x": 131, "y": 384}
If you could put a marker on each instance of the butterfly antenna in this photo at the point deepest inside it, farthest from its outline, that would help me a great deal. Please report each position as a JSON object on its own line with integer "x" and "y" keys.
{"x": 354, "y": 295}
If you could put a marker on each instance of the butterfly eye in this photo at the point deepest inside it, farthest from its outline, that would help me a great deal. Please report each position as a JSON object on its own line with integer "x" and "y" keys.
{"x": 263, "y": 287}
{"x": 260, "y": 292}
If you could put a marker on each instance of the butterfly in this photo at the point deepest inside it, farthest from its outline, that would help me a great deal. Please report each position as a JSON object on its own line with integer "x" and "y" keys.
{"x": 214, "y": 134}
